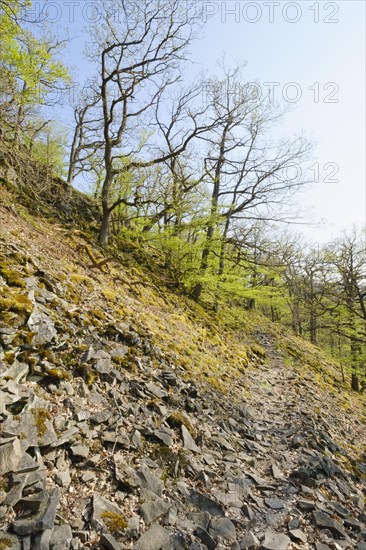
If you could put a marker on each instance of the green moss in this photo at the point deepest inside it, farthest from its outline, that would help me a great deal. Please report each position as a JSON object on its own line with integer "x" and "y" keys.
{"x": 59, "y": 374}
{"x": 98, "y": 313}
{"x": 17, "y": 302}
{"x": 88, "y": 374}
{"x": 12, "y": 277}
{"x": 178, "y": 419}
{"x": 114, "y": 522}
{"x": 5, "y": 543}
{"x": 40, "y": 418}
{"x": 4, "y": 484}
{"x": 171, "y": 461}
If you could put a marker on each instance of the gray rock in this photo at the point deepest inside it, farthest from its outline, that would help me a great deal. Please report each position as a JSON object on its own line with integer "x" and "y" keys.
{"x": 133, "y": 527}
{"x": 206, "y": 538}
{"x": 249, "y": 541}
{"x": 200, "y": 519}
{"x": 33, "y": 427}
{"x": 41, "y": 540}
{"x": 61, "y": 537}
{"x": 206, "y": 504}
{"x": 323, "y": 521}
{"x": 298, "y": 536}
{"x": 153, "y": 539}
{"x": 100, "y": 506}
{"x": 43, "y": 327}
{"x": 305, "y": 505}
{"x": 275, "y": 503}
{"x": 188, "y": 441}
{"x": 44, "y": 505}
{"x": 17, "y": 372}
{"x": 154, "y": 507}
{"x": 109, "y": 542}
{"x": 149, "y": 482}
{"x": 275, "y": 541}
{"x": 164, "y": 436}
{"x": 222, "y": 528}
{"x": 63, "y": 479}
{"x": 10, "y": 455}
{"x": 80, "y": 452}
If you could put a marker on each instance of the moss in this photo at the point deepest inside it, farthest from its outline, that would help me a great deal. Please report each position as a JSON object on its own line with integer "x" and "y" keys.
{"x": 88, "y": 374}
{"x": 12, "y": 277}
{"x": 178, "y": 419}
{"x": 59, "y": 374}
{"x": 98, "y": 313}
{"x": 40, "y": 418}
{"x": 10, "y": 357}
{"x": 17, "y": 303}
{"x": 109, "y": 294}
{"x": 172, "y": 461}
{"x": 5, "y": 543}
{"x": 217, "y": 384}
{"x": 4, "y": 484}
{"x": 114, "y": 522}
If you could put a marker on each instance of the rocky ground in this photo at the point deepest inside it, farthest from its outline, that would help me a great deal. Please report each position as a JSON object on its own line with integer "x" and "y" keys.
{"x": 107, "y": 443}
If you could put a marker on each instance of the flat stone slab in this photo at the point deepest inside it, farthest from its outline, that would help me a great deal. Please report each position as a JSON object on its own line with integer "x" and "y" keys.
{"x": 10, "y": 455}
{"x": 275, "y": 541}
{"x": 153, "y": 539}
{"x": 323, "y": 521}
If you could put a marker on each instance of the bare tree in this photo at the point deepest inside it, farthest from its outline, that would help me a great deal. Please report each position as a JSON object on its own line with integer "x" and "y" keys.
{"x": 139, "y": 47}
{"x": 247, "y": 174}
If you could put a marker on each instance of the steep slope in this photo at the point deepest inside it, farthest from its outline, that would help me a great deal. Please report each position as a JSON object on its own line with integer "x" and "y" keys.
{"x": 132, "y": 418}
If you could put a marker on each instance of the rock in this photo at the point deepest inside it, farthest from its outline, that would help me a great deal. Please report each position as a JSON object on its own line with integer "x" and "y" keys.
{"x": 222, "y": 528}
{"x": 154, "y": 507}
{"x": 17, "y": 372}
{"x": 323, "y": 521}
{"x": 207, "y": 540}
{"x": 188, "y": 441}
{"x": 80, "y": 452}
{"x": 164, "y": 436}
{"x": 33, "y": 427}
{"x": 43, "y": 327}
{"x": 150, "y": 482}
{"x": 109, "y": 542}
{"x": 102, "y": 508}
{"x": 206, "y": 504}
{"x": 275, "y": 503}
{"x": 298, "y": 536}
{"x": 169, "y": 378}
{"x": 249, "y": 541}
{"x": 305, "y": 505}
{"x": 61, "y": 537}
{"x": 352, "y": 523}
{"x": 63, "y": 479}
{"x": 41, "y": 540}
{"x": 275, "y": 541}
{"x": 153, "y": 539}
{"x": 133, "y": 527}
{"x": 44, "y": 505}
{"x": 10, "y": 454}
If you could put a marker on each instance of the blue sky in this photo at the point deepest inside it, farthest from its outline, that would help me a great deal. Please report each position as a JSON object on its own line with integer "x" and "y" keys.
{"x": 311, "y": 54}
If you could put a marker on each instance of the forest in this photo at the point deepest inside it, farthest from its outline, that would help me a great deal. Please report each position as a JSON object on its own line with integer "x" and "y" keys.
{"x": 188, "y": 172}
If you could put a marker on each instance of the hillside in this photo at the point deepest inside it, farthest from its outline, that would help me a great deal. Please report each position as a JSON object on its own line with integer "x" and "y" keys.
{"x": 133, "y": 418}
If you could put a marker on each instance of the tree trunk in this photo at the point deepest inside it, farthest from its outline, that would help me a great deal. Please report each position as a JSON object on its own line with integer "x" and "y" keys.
{"x": 355, "y": 383}
{"x": 104, "y": 228}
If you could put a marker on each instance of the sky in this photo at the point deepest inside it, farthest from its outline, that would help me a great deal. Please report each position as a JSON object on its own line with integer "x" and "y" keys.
{"x": 309, "y": 55}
